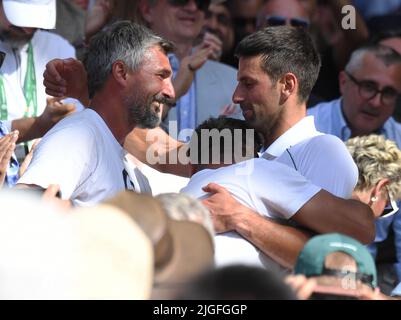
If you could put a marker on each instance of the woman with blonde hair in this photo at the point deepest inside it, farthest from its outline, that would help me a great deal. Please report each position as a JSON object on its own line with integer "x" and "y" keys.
{"x": 379, "y": 165}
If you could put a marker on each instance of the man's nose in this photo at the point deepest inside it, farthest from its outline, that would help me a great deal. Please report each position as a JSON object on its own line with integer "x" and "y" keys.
{"x": 168, "y": 90}
{"x": 376, "y": 101}
{"x": 237, "y": 96}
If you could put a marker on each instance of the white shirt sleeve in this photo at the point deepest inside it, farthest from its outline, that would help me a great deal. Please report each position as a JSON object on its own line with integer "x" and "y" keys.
{"x": 65, "y": 157}
{"x": 279, "y": 189}
{"x": 326, "y": 162}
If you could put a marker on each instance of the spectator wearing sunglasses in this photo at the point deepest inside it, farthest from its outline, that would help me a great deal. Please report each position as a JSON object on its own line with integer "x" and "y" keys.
{"x": 204, "y": 86}
{"x": 370, "y": 86}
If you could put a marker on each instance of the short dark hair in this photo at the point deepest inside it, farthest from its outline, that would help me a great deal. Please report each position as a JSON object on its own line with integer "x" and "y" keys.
{"x": 284, "y": 49}
{"x": 122, "y": 40}
{"x": 220, "y": 125}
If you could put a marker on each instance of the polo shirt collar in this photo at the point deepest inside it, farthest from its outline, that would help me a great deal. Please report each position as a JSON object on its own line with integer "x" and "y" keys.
{"x": 304, "y": 129}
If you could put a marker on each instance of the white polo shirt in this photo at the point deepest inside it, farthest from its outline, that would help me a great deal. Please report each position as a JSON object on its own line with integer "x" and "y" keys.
{"x": 273, "y": 191}
{"x": 321, "y": 158}
{"x": 268, "y": 187}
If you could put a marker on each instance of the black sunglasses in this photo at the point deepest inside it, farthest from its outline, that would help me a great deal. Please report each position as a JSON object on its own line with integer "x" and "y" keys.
{"x": 202, "y": 5}
{"x": 272, "y": 21}
{"x": 2, "y": 57}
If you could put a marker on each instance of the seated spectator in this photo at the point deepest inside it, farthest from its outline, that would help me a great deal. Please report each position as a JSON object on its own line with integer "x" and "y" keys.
{"x": 370, "y": 85}
{"x": 182, "y": 247}
{"x": 238, "y": 282}
{"x": 341, "y": 266}
{"x": 379, "y": 165}
{"x": 47, "y": 253}
{"x": 392, "y": 39}
{"x": 28, "y": 49}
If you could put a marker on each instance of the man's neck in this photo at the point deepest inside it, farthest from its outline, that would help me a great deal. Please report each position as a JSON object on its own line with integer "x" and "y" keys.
{"x": 113, "y": 113}
{"x": 289, "y": 118}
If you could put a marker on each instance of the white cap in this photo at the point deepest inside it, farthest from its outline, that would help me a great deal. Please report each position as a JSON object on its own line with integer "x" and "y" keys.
{"x": 31, "y": 13}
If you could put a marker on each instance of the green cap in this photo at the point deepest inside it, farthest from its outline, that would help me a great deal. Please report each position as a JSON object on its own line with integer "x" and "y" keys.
{"x": 310, "y": 261}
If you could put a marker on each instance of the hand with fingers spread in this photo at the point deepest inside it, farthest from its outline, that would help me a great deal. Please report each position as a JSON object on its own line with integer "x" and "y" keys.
{"x": 7, "y": 147}
{"x": 66, "y": 78}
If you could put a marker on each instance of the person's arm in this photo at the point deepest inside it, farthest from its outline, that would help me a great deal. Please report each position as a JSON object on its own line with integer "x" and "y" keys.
{"x": 67, "y": 78}
{"x": 157, "y": 149}
{"x": 280, "y": 242}
{"x": 322, "y": 214}
{"x": 36, "y": 127}
{"x": 7, "y": 147}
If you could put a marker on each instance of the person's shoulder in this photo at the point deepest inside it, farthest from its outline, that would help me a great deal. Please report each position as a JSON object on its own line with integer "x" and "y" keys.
{"x": 326, "y": 141}
{"x": 79, "y": 125}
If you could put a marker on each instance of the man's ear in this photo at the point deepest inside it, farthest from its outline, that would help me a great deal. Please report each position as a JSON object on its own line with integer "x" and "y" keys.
{"x": 120, "y": 72}
{"x": 380, "y": 188}
{"x": 146, "y": 11}
{"x": 342, "y": 79}
{"x": 289, "y": 84}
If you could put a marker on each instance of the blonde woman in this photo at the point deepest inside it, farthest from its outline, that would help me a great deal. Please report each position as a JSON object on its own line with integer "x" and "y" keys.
{"x": 379, "y": 165}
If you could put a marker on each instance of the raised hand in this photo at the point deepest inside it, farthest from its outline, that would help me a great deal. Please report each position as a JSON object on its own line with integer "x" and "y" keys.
{"x": 66, "y": 78}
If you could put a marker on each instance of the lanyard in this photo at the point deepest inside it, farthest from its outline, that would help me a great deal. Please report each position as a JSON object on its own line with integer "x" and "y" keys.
{"x": 30, "y": 93}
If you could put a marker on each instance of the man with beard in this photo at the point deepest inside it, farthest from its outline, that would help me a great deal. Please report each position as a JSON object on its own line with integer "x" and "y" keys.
{"x": 129, "y": 78}
{"x": 277, "y": 70}
{"x": 27, "y": 49}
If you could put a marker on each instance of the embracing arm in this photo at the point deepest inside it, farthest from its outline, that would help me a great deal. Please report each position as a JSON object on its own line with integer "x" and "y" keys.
{"x": 326, "y": 213}
{"x": 157, "y": 149}
{"x": 323, "y": 213}
{"x": 280, "y": 242}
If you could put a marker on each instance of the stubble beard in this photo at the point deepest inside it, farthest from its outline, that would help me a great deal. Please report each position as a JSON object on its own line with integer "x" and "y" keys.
{"x": 143, "y": 115}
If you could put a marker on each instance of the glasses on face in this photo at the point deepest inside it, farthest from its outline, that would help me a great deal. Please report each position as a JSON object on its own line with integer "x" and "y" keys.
{"x": 202, "y": 5}
{"x": 369, "y": 89}
{"x": 2, "y": 57}
{"x": 273, "y": 21}
{"x": 391, "y": 207}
